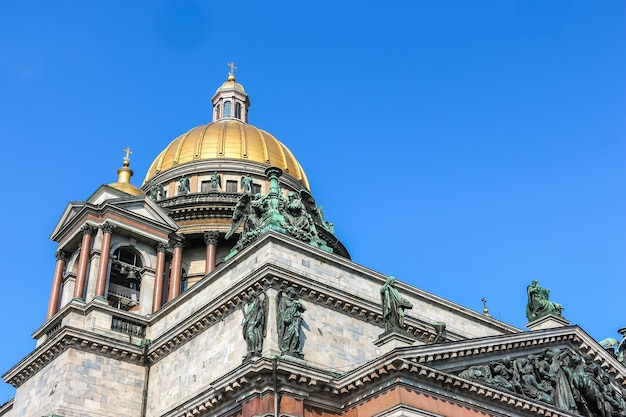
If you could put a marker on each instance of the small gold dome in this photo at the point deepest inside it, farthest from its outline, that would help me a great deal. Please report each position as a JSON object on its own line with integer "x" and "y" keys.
{"x": 124, "y": 175}
{"x": 230, "y": 84}
{"x": 227, "y": 139}
{"x": 127, "y": 188}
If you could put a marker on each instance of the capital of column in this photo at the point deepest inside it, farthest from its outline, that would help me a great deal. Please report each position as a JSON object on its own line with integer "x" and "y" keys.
{"x": 61, "y": 255}
{"x": 178, "y": 242}
{"x": 211, "y": 238}
{"x": 88, "y": 229}
{"x": 162, "y": 247}
{"x": 108, "y": 227}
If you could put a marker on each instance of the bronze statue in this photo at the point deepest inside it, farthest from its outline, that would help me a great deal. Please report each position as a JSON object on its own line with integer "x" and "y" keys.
{"x": 539, "y": 304}
{"x": 394, "y": 305}
{"x": 254, "y": 323}
{"x": 183, "y": 185}
{"x": 294, "y": 215}
{"x": 216, "y": 181}
{"x": 246, "y": 184}
{"x": 289, "y": 317}
{"x": 571, "y": 382}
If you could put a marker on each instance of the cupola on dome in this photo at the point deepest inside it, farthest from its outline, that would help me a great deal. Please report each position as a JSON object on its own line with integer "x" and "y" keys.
{"x": 229, "y": 136}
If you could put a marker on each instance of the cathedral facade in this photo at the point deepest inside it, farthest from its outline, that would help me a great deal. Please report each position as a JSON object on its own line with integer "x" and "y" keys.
{"x": 218, "y": 288}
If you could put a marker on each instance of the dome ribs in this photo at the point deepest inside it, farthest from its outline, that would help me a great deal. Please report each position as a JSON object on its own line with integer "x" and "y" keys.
{"x": 220, "y": 140}
{"x": 244, "y": 142}
{"x": 197, "y": 153}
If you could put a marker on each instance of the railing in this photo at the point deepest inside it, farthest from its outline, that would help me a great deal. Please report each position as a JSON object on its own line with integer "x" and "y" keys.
{"x": 122, "y": 325}
{"x": 123, "y": 292}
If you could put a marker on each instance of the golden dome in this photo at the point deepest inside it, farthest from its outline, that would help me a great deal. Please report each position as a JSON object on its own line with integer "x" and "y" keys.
{"x": 230, "y": 83}
{"x": 227, "y": 139}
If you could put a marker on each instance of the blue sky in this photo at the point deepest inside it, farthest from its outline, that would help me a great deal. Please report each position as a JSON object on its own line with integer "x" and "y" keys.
{"x": 465, "y": 147}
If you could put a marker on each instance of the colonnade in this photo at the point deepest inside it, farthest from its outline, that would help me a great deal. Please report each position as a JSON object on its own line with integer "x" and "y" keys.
{"x": 175, "y": 266}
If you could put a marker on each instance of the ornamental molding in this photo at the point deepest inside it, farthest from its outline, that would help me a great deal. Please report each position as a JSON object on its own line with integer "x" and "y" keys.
{"x": 64, "y": 339}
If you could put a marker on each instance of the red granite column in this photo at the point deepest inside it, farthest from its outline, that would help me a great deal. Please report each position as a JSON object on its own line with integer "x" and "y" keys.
{"x": 176, "y": 271}
{"x": 101, "y": 280}
{"x": 56, "y": 284}
{"x": 157, "y": 294}
{"x": 83, "y": 261}
{"x": 210, "y": 239}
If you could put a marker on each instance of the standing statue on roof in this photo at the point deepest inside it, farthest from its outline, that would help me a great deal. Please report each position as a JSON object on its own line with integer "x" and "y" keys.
{"x": 394, "y": 305}
{"x": 216, "y": 181}
{"x": 246, "y": 184}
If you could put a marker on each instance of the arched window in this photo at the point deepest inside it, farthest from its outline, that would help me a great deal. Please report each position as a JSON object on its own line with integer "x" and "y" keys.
{"x": 227, "y": 109}
{"x": 217, "y": 112}
{"x": 238, "y": 110}
{"x": 124, "y": 279}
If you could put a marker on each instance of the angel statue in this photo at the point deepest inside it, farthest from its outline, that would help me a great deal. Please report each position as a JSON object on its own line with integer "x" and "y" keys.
{"x": 249, "y": 211}
{"x": 216, "y": 181}
{"x": 316, "y": 212}
{"x": 618, "y": 347}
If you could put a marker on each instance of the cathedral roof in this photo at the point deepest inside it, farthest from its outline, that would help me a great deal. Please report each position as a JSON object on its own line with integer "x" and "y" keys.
{"x": 227, "y": 139}
{"x": 229, "y": 136}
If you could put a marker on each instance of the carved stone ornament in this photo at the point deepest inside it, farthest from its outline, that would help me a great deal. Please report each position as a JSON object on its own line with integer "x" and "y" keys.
{"x": 295, "y": 215}
{"x": 569, "y": 381}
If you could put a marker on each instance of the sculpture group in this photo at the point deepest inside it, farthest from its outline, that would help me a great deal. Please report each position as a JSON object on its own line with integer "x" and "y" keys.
{"x": 570, "y": 381}
{"x": 296, "y": 215}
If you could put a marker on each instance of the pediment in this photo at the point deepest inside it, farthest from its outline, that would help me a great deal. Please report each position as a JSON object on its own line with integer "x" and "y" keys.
{"x": 562, "y": 368}
{"x": 134, "y": 208}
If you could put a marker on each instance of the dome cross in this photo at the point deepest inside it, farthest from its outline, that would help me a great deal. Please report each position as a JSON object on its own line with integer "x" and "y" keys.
{"x": 232, "y": 66}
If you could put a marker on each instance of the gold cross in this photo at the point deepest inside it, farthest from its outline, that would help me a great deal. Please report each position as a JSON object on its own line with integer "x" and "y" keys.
{"x": 232, "y": 68}
{"x": 128, "y": 153}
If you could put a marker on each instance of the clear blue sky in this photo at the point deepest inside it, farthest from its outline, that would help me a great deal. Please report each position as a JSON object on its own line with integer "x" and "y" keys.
{"x": 466, "y": 147}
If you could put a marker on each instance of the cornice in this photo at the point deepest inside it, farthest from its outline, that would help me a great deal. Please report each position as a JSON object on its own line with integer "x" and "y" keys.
{"x": 70, "y": 337}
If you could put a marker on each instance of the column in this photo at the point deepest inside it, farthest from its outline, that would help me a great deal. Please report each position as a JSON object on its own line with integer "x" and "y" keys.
{"x": 210, "y": 239}
{"x": 83, "y": 261}
{"x": 103, "y": 268}
{"x": 176, "y": 270}
{"x": 56, "y": 284}
{"x": 157, "y": 295}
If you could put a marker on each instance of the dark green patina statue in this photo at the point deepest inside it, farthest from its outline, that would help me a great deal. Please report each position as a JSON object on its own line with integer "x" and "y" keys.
{"x": 539, "y": 304}
{"x": 569, "y": 381}
{"x": 394, "y": 305}
{"x": 289, "y": 321}
{"x": 295, "y": 215}
{"x": 254, "y": 323}
{"x": 618, "y": 348}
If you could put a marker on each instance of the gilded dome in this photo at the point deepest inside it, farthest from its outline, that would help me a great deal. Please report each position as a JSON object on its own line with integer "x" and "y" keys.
{"x": 227, "y": 139}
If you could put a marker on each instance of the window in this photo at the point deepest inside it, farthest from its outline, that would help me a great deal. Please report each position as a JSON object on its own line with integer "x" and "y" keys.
{"x": 227, "y": 109}
{"x": 204, "y": 186}
{"x": 238, "y": 110}
{"x": 217, "y": 112}
{"x": 184, "y": 283}
{"x": 256, "y": 189}
{"x": 231, "y": 186}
